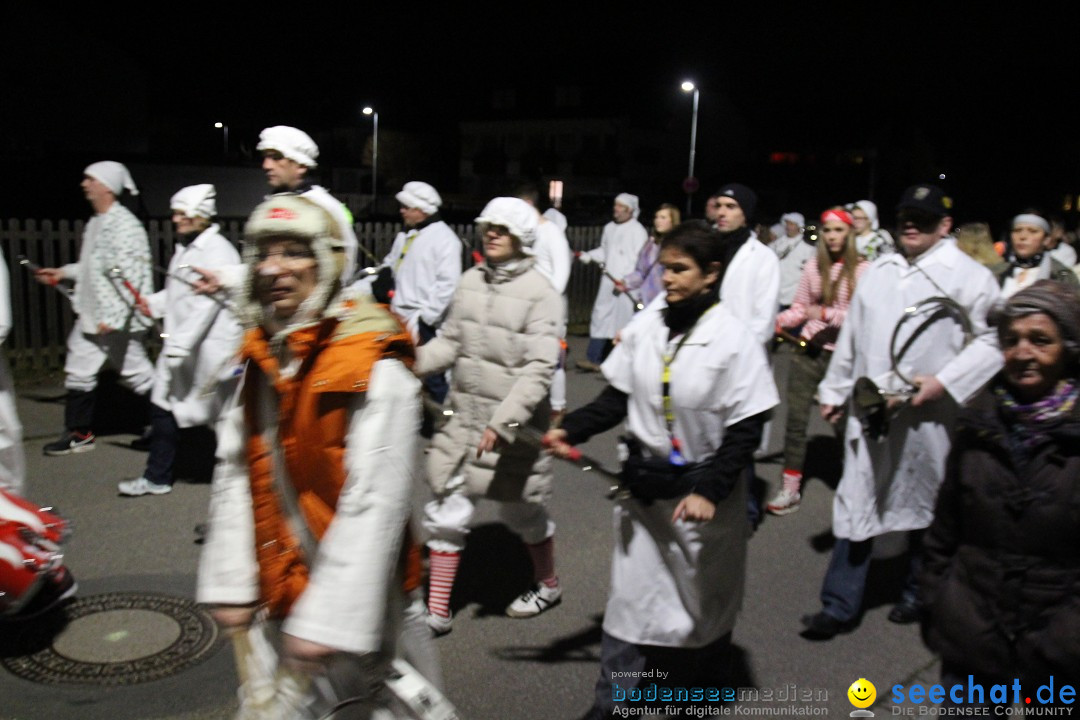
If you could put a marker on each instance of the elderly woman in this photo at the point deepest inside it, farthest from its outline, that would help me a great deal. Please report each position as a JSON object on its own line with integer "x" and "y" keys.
{"x": 694, "y": 387}
{"x": 1001, "y": 568}
{"x": 501, "y": 339}
{"x": 1027, "y": 261}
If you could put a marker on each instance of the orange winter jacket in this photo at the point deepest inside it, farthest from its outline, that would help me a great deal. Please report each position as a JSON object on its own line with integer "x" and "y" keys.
{"x": 335, "y": 361}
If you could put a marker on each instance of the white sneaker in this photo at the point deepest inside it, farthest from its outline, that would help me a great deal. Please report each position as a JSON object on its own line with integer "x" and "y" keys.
{"x": 440, "y": 625}
{"x": 535, "y": 601}
{"x": 785, "y": 502}
{"x": 142, "y": 486}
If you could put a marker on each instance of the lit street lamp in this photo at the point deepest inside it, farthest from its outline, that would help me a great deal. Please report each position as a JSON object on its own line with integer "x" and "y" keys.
{"x": 225, "y": 146}
{"x": 374, "y": 153}
{"x": 690, "y": 184}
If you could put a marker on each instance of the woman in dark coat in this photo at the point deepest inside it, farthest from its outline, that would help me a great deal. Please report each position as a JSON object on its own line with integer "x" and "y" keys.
{"x": 1001, "y": 570}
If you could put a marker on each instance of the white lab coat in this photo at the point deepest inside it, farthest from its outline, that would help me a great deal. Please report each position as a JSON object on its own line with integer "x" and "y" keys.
{"x": 892, "y": 485}
{"x": 553, "y": 257}
{"x": 202, "y": 335}
{"x": 12, "y": 458}
{"x": 620, "y": 244}
{"x": 425, "y": 280}
{"x": 680, "y": 584}
{"x": 751, "y": 288}
{"x": 793, "y": 254}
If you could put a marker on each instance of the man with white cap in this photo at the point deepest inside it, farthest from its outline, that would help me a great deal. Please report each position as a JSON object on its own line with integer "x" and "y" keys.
{"x": 201, "y": 336}
{"x": 871, "y": 241}
{"x": 793, "y": 253}
{"x": 289, "y": 157}
{"x": 111, "y": 276}
{"x": 620, "y": 244}
{"x": 425, "y": 261}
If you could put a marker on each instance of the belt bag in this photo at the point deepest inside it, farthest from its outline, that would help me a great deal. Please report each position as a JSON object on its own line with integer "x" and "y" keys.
{"x": 652, "y": 478}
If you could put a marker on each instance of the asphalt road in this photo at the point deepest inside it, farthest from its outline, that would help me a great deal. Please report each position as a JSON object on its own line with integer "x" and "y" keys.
{"x": 495, "y": 668}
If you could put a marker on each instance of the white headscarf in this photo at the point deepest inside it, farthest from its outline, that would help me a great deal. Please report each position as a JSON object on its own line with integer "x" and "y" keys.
{"x": 421, "y": 196}
{"x": 871, "y": 212}
{"x": 516, "y": 215}
{"x": 112, "y": 175}
{"x": 794, "y": 217}
{"x": 630, "y": 201}
{"x": 195, "y": 201}
{"x": 294, "y": 144}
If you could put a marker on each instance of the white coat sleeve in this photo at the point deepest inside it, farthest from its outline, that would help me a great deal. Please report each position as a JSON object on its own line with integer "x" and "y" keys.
{"x": 561, "y": 260}
{"x": 5, "y": 301}
{"x": 835, "y": 388}
{"x": 447, "y": 276}
{"x": 599, "y": 254}
{"x": 973, "y": 367}
{"x": 766, "y": 297}
{"x": 355, "y": 571}
{"x": 228, "y": 572}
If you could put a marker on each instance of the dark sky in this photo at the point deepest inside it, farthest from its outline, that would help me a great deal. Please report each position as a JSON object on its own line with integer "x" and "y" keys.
{"x": 988, "y": 95}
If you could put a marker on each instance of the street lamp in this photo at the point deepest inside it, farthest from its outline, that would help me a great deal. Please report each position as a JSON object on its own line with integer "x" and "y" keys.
{"x": 688, "y": 86}
{"x": 225, "y": 146}
{"x": 374, "y": 153}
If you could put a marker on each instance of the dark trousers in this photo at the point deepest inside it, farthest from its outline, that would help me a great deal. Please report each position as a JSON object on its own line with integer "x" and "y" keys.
{"x": 164, "y": 441}
{"x": 845, "y": 580}
{"x": 704, "y": 667}
{"x": 79, "y": 410}
{"x": 436, "y": 385}
{"x": 598, "y": 349}
{"x": 803, "y": 377}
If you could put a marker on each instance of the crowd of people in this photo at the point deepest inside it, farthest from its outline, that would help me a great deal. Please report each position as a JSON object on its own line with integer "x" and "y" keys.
{"x": 947, "y": 364}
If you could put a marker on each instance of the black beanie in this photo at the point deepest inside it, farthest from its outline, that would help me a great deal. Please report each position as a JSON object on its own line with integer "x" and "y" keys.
{"x": 741, "y": 194}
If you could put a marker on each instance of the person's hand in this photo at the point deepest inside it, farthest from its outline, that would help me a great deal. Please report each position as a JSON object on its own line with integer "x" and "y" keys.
{"x": 304, "y": 655}
{"x": 488, "y": 442}
{"x": 832, "y": 413}
{"x": 930, "y": 389}
{"x": 694, "y": 508}
{"x": 233, "y": 616}
{"x": 555, "y": 441}
{"x": 49, "y": 276}
{"x": 815, "y": 312}
{"x": 103, "y": 329}
{"x": 208, "y": 283}
{"x": 142, "y": 306}
{"x": 620, "y": 286}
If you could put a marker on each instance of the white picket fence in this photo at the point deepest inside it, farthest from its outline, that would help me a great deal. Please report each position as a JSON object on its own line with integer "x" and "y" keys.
{"x": 42, "y": 317}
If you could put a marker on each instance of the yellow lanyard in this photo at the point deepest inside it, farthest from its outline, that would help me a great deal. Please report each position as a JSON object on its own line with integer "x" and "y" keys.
{"x": 408, "y": 244}
{"x": 676, "y": 456}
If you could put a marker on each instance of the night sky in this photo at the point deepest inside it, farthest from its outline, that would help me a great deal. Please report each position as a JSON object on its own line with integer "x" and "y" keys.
{"x": 987, "y": 97}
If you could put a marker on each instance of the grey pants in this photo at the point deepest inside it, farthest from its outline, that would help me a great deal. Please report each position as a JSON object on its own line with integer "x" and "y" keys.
{"x": 803, "y": 378}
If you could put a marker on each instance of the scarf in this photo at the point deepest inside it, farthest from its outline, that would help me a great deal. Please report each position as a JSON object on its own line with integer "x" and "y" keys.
{"x": 1028, "y": 424}
{"x": 681, "y": 316}
{"x": 1033, "y": 261}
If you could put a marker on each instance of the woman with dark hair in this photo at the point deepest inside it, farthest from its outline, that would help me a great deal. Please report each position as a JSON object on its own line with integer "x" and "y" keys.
{"x": 694, "y": 387}
{"x": 1001, "y": 567}
{"x": 819, "y": 308}
{"x": 1026, "y": 261}
{"x": 648, "y": 271}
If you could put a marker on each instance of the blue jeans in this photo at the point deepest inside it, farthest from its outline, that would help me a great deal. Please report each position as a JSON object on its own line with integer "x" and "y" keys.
{"x": 845, "y": 580}
{"x": 164, "y": 441}
{"x": 598, "y": 349}
{"x": 436, "y": 384}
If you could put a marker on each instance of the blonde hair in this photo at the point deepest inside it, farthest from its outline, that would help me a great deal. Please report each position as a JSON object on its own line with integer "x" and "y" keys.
{"x": 849, "y": 255}
{"x": 977, "y": 243}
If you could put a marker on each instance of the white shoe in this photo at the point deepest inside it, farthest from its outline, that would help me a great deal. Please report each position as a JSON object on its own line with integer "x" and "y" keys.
{"x": 785, "y": 502}
{"x": 142, "y": 486}
{"x": 440, "y": 625}
{"x": 535, "y": 601}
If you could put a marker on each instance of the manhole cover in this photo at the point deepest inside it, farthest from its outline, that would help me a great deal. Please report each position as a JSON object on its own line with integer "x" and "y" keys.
{"x": 121, "y": 639}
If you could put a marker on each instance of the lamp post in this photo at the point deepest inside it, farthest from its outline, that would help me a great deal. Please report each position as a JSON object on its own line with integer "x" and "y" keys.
{"x": 688, "y": 86}
{"x": 225, "y": 144}
{"x": 374, "y": 153}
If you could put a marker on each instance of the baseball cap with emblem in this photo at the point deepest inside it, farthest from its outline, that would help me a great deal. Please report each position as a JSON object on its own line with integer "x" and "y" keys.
{"x": 926, "y": 198}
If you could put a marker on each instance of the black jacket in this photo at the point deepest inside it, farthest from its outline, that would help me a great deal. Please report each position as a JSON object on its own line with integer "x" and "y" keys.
{"x": 1001, "y": 568}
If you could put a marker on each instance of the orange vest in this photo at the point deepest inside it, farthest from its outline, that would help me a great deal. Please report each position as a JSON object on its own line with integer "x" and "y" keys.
{"x": 313, "y": 421}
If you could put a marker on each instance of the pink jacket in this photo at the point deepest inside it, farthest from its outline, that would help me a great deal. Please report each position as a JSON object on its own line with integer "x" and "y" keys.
{"x": 809, "y": 293}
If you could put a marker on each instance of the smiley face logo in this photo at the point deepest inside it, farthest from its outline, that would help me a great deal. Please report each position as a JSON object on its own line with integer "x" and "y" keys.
{"x": 862, "y": 693}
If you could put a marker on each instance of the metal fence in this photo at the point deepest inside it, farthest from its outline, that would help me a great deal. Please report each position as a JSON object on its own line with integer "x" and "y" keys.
{"x": 42, "y": 317}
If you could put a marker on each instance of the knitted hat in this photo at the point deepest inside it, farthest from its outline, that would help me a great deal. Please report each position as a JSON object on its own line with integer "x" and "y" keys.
{"x": 741, "y": 194}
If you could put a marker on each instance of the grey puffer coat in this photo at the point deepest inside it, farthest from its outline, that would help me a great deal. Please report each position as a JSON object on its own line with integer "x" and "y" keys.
{"x": 1001, "y": 564}
{"x": 501, "y": 339}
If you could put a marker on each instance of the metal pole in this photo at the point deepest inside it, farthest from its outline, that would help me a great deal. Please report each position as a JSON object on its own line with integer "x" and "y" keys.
{"x": 693, "y": 149}
{"x": 226, "y": 129}
{"x": 374, "y": 161}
